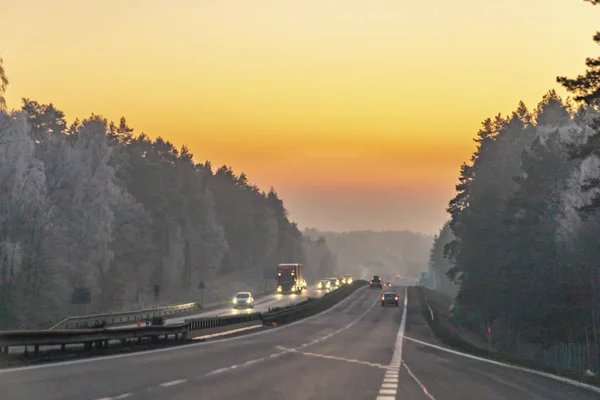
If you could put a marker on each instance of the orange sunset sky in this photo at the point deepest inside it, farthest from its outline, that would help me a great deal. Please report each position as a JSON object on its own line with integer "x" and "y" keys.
{"x": 358, "y": 112}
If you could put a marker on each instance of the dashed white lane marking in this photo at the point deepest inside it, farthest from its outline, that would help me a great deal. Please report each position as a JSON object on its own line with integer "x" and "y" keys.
{"x": 280, "y": 353}
{"x": 245, "y": 364}
{"x": 173, "y": 383}
{"x": 119, "y": 397}
{"x": 217, "y": 371}
{"x": 350, "y": 360}
{"x": 515, "y": 367}
{"x": 339, "y": 330}
{"x": 393, "y": 370}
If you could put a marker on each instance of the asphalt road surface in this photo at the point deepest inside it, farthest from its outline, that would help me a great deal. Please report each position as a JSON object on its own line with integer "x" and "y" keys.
{"x": 351, "y": 351}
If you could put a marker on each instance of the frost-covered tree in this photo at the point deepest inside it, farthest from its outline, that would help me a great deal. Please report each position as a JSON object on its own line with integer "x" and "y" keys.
{"x": 92, "y": 204}
{"x": 27, "y": 229}
{"x": 517, "y": 236}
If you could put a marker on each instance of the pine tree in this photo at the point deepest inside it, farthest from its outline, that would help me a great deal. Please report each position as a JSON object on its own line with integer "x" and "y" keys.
{"x": 587, "y": 89}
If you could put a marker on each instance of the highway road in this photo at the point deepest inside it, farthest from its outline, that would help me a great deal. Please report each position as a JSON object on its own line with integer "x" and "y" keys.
{"x": 351, "y": 351}
{"x": 262, "y": 305}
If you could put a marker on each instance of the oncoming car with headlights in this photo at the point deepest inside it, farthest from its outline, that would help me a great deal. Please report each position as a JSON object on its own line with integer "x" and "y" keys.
{"x": 243, "y": 300}
{"x": 334, "y": 282}
{"x": 323, "y": 284}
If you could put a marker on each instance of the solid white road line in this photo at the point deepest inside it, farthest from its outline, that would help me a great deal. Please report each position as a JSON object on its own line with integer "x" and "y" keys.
{"x": 419, "y": 383}
{"x": 350, "y": 360}
{"x": 510, "y": 366}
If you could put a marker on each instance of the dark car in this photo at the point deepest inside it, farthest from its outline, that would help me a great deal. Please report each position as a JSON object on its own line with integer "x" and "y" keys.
{"x": 375, "y": 283}
{"x": 389, "y": 298}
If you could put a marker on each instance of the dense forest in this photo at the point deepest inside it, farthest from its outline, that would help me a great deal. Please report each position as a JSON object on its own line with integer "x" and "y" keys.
{"x": 365, "y": 253}
{"x": 522, "y": 241}
{"x": 439, "y": 264}
{"x": 92, "y": 204}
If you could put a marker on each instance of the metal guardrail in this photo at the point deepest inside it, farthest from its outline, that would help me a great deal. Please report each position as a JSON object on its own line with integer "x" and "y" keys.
{"x": 101, "y": 337}
{"x": 197, "y": 324}
{"x": 124, "y": 318}
{"x": 84, "y": 336}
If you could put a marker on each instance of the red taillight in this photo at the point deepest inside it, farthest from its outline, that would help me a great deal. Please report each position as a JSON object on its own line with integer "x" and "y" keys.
{"x": 396, "y": 298}
{"x": 382, "y": 298}
{"x": 371, "y": 282}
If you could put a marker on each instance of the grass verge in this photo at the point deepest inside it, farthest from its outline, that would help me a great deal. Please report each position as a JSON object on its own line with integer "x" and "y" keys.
{"x": 471, "y": 343}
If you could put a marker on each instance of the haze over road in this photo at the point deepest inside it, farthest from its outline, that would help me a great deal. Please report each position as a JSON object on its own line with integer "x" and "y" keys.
{"x": 351, "y": 351}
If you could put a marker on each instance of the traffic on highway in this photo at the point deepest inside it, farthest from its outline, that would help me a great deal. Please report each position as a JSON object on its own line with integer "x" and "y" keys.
{"x": 299, "y": 200}
{"x": 355, "y": 349}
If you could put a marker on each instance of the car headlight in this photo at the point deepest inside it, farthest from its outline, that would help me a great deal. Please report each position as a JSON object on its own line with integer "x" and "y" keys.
{"x": 234, "y": 301}
{"x": 319, "y": 285}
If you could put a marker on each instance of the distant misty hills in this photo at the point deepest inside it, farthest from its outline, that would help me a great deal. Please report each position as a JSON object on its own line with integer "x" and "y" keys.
{"x": 366, "y": 252}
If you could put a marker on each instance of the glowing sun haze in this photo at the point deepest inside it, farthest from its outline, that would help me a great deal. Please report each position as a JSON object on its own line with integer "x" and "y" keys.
{"x": 358, "y": 112}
